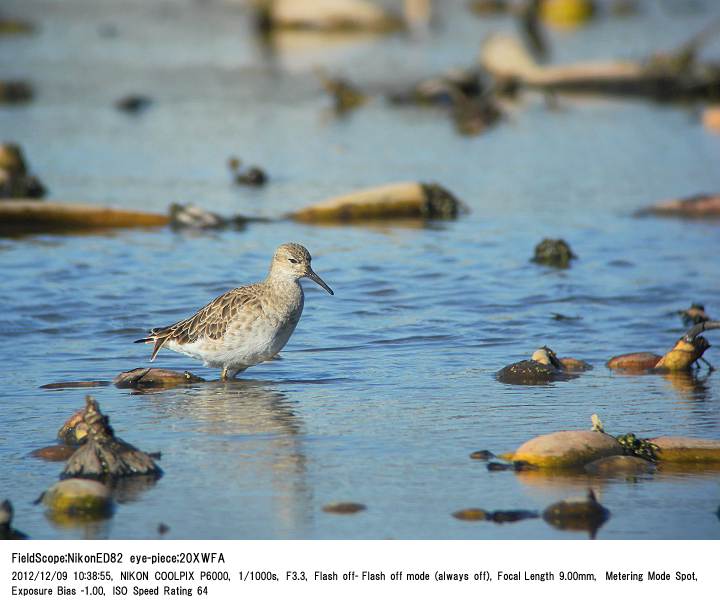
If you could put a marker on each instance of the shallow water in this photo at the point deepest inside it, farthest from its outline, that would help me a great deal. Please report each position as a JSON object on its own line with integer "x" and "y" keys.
{"x": 387, "y": 387}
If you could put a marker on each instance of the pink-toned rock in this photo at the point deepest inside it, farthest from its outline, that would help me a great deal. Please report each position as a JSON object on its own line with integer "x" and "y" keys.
{"x": 696, "y": 206}
{"x": 680, "y": 449}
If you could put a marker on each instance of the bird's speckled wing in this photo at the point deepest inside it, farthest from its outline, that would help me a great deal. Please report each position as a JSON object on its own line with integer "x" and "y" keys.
{"x": 210, "y": 322}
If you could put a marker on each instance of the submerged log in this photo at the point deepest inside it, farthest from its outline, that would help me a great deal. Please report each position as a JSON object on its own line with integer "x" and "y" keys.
{"x": 104, "y": 456}
{"x": 504, "y": 57}
{"x": 400, "y": 200}
{"x": 54, "y": 215}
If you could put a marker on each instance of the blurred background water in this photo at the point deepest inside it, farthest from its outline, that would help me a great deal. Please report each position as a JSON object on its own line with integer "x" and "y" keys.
{"x": 385, "y": 388}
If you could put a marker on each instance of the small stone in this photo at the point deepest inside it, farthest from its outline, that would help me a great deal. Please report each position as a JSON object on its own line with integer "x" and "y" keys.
{"x": 482, "y": 455}
{"x": 503, "y": 516}
{"x": 496, "y": 466}
{"x": 254, "y": 176}
{"x": 566, "y": 13}
{"x": 473, "y": 514}
{"x": 79, "y": 498}
{"x": 523, "y": 466}
{"x": 133, "y": 104}
{"x": 343, "y": 508}
{"x": 6, "y": 516}
{"x": 489, "y": 7}
{"x": 711, "y": 118}
{"x": 553, "y": 252}
{"x": 15, "y": 92}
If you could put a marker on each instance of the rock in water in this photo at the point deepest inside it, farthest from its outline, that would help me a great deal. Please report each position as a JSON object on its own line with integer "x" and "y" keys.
{"x": 141, "y": 378}
{"x": 343, "y": 508}
{"x": 620, "y": 465}
{"x": 6, "y": 516}
{"x": 15, "y": 181}
{"x": 104, "y": 456}
{"x": 391, "y": 201}
{"x": 553, "y": 252}
{"x": 568, "y": 449}
{"x": 78, "y": 498}
{"x": 679, "y": 449}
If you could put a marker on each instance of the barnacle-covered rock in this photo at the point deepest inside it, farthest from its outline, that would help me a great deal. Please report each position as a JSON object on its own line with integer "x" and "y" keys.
{"x": 104, "y": 456}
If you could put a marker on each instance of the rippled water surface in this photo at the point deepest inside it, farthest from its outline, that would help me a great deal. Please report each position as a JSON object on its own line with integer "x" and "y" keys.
{"x": 385, "y": 388}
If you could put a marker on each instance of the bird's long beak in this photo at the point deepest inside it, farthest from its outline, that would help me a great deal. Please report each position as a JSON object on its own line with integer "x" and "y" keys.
{"x": 312, "y": 275}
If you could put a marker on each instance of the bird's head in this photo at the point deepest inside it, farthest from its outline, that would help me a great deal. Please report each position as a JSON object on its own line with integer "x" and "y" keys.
{"x": 293, "y": 260}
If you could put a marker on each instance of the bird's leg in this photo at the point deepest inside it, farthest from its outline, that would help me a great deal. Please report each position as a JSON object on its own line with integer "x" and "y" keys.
{"x": 228, "y": 374}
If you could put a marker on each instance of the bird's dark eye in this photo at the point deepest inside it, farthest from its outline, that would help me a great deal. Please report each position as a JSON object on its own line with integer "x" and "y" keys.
{"x": 292, "y": 260}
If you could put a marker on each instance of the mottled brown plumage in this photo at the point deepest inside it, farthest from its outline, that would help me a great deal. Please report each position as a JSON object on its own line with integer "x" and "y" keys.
{"x": 246, "y": 325}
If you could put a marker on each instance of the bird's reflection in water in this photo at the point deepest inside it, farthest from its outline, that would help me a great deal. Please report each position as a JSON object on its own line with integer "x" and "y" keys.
{"x": 246, "y": 435}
